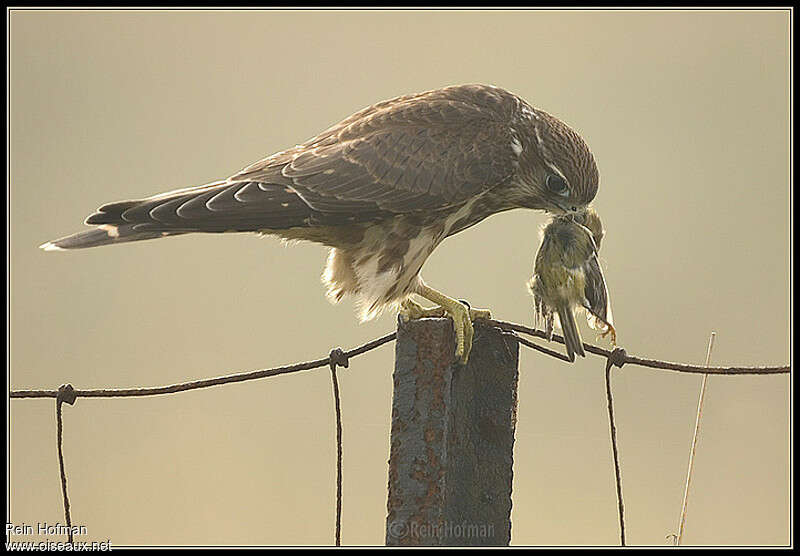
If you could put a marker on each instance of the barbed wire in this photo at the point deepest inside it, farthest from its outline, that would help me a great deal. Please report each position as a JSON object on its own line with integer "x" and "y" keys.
{"x": 622, "y": 357}
{"x": 616, "y": 357}
{"x": 206, "y": 383}
{"x": 318, "y": 363}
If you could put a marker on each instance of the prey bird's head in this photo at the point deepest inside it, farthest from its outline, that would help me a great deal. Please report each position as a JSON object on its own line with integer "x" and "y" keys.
{"x": 589, "y": 220}
{"x": 557, "y": 170}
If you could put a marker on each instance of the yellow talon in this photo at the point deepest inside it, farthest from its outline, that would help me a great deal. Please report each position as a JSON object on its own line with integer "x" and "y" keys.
{"x": 461, "y": 315}
{"x": 475, "y": 314}
{"x": 410, "y": 310}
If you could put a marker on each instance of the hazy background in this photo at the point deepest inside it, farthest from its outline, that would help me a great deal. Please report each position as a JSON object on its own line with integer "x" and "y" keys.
{"x": 688, "y": 117}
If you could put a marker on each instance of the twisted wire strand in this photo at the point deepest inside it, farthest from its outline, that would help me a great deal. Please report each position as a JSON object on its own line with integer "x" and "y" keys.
{"x": 60, "y": 444}
{"x": 338, "y": 357}
{"x": 617, "y": 474}
{"x": 205, "y": 383}
{"x": 65, "y": 394}
{"x": 642, "y": 361}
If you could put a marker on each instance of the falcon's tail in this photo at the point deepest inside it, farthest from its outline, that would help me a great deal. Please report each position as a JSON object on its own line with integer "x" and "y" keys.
{"x": 105, "y": 234}
{"x": 217, "y": 207}
{"x": 572, "y": 337}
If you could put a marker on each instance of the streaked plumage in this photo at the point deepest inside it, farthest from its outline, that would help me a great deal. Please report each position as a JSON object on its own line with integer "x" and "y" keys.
{"x": 382, "y": 188}
{"x": 567, "y": 277}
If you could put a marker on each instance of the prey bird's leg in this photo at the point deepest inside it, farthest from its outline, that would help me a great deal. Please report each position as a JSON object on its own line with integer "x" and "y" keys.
{"x": 612, "y": 332}
{"x": 461, "y": 314}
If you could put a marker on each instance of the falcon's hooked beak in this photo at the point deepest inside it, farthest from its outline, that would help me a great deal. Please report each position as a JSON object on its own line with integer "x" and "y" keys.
{"x": 566, "y": 207}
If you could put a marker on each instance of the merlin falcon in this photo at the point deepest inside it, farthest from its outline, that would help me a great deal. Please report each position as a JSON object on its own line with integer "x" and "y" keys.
{"x": 382, "y": 188}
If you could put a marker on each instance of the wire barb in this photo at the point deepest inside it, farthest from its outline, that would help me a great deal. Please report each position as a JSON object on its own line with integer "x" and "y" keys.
{"x": 66, "y": 394}
{"x": 618, "y": 357}
{"x": 338, "y": 358}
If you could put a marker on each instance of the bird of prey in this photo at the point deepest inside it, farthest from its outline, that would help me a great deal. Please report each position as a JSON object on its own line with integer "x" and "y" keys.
{"x": 567, "y": 277}
{"x": 382, "y": 188}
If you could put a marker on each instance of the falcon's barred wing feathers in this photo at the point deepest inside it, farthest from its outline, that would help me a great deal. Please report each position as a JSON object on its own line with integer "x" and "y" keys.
{"x": 422, "y": 152}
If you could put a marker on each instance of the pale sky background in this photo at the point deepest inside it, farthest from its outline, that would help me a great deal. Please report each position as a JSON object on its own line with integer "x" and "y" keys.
{"x": 688, "y": 116}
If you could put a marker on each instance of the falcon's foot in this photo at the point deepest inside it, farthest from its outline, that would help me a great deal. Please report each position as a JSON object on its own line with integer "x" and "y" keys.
{"x": 410, "y": 310}
{"x": 461, "y": 313}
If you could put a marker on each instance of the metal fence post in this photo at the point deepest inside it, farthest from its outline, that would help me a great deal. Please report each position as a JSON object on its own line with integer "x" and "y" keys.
{"x": 452, "y": 439}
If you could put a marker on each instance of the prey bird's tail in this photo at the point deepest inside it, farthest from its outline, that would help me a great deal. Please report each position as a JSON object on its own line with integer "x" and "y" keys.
{"x": 572, "y": 337}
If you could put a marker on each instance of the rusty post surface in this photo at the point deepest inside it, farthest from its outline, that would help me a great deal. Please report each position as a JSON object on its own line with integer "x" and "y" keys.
{"x": 451, "y": 456}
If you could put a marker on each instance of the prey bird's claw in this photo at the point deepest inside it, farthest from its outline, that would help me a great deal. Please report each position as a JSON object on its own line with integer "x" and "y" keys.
{"x": 612, "y": 332}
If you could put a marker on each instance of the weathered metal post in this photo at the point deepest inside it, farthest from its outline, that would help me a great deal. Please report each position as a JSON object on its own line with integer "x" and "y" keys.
{"x": 450, "y": 464}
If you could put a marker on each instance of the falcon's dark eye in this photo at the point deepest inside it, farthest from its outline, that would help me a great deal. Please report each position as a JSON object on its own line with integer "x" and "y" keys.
{"x": 556, "y": 184}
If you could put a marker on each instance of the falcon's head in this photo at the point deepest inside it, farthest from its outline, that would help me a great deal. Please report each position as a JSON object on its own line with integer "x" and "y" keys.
{"x": 557, "y": 169}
